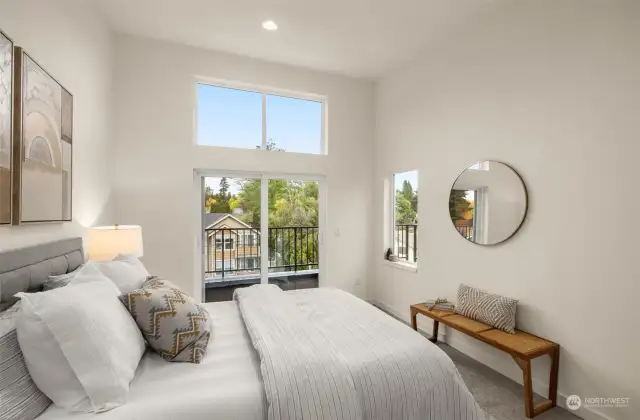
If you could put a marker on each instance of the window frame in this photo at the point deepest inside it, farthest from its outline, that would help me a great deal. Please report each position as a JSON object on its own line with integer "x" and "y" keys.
{"x": 392, "y": 223}
{"x": 227, "y": 241}
{"x": 264, "y": 91}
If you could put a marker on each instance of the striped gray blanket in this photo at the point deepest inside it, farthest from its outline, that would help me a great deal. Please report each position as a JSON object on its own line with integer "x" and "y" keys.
{"x": 325, "y": 354}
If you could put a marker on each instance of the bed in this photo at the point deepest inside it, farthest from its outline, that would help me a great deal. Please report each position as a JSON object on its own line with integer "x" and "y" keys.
{"x": 309, "y": 354}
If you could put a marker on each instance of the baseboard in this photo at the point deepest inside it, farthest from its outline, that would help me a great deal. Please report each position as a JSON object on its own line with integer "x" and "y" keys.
{"x": 400, "y": 317}
{"x": 461, "y": 343}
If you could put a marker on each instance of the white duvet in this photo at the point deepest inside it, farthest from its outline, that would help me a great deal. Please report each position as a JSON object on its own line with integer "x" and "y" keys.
{"x": 327, "y": 355}
{"x": 388, "y": 371}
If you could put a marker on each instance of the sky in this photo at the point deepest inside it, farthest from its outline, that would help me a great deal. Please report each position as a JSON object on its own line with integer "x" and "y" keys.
{"x": 411, "y": 176}
{"x": 232, "y": 117}
{"x": 214, "y": 183}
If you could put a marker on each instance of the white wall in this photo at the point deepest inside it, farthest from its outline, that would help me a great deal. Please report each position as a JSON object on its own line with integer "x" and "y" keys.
{"x": 552, "y": 88}
{"x": 75, "y": 46}
{"x": 156, "y": 154}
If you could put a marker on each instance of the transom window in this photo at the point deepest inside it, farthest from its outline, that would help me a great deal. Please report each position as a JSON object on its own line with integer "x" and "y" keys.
{"x": 260, "y": 119}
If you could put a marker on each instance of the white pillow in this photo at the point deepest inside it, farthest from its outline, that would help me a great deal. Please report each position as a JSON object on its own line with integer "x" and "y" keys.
{"x": 80, "y": 344}
{"x": 126, "y": 271}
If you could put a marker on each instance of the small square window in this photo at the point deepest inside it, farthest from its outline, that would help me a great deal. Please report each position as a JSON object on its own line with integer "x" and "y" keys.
{"x": 294, "y": 125}
{"x": 229, "y": 117}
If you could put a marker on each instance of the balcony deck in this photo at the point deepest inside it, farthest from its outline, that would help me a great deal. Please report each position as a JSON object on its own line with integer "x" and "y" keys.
{"x": 218, "y": 289}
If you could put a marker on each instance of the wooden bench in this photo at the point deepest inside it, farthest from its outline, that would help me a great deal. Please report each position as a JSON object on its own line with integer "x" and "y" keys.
{"x": 523, "y": 347}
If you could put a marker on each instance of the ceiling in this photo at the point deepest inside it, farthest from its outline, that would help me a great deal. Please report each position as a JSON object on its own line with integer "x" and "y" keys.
{"x": 361, "y": 38}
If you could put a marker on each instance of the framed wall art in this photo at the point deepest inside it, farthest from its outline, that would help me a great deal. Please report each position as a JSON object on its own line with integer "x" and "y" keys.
{"x": 6, "y": 119}
{"x": 42, "y": 144}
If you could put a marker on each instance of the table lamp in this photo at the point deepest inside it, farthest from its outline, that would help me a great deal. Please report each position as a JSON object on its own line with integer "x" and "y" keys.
{"x": 106, "y": 242}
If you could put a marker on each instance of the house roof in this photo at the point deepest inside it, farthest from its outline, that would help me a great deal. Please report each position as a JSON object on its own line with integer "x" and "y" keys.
{"x": 211, "y": 219}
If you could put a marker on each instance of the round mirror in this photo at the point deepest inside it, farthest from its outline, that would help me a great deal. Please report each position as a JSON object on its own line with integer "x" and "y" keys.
{"x": 488, "y": 203}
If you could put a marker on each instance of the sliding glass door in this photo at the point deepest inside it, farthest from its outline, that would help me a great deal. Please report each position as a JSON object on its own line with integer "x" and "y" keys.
{"x": 260, "y": 228}
{"x": 293, "y": 240}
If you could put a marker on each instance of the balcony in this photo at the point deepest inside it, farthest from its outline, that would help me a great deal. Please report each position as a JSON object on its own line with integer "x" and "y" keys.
{"x": 233, "y": 259}
{"x": 466, "y": 231}
{"x": 406, "y": 242}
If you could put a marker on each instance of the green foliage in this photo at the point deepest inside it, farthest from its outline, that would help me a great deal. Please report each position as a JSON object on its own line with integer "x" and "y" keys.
{"x": 291, "y": 204}
{"x": 458, "y": 204}
{"x": 220, "y": 202}
{"x": 406, "y": 205}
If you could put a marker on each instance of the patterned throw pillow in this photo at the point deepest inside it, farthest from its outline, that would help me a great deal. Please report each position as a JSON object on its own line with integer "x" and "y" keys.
{"x": 20, "y": 398}
{"x": 495, "y": 310}
{"x": 173, "y": 323}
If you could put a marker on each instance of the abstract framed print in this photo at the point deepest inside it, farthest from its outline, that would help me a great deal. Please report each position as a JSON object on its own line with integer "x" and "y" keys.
{"x": 42, "y": 145}
{"x": 6, "y": 121}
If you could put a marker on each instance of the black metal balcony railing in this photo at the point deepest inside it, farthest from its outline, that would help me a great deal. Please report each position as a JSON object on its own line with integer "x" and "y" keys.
{"x": 406, "y": 242}
{"x": 232, "y": 252}
{"x": 466, "y": 231}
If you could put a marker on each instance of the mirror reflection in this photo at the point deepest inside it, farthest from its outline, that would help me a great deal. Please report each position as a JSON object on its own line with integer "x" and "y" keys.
{"x": 488, "y": 203}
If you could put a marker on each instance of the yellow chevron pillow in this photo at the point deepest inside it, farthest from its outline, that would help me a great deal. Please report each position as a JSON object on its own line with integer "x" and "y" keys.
{"x": 173, "y": 323}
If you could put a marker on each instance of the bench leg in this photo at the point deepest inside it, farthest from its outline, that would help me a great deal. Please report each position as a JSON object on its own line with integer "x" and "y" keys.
{"x": 553, "y": 376}
{"x": 414, "y": 322}
{"x": 528, "y": 388}
{"x": 434, "y": 334}
{"x": 531, "y": 410}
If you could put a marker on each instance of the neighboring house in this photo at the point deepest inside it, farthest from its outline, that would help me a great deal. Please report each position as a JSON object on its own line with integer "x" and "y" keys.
{"x": 232, "y": 245}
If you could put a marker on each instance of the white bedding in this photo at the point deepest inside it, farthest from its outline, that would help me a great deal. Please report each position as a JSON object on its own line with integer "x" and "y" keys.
{"x": 327, "y": 355}
{"x": 396, "y": 373}
{"x": 225, "y": 386}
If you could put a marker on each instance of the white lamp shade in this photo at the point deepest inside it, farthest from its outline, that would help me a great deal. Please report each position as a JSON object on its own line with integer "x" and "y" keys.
{"x": 106, "y": 242}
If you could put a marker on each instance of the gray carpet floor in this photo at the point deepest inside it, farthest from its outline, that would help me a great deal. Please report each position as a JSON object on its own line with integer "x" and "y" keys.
{"x": 497, "y": 395}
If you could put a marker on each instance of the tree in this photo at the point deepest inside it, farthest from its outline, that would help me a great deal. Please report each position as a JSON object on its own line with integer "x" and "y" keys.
{"x": 297, "y": 205}
{"x": 220, "y": 202}
{"x": 458, "y": 205}
{"x": 209, "y": 199}
{"x": 224, "y": 187}
{"x": 406, "y": 205}
{"x": 271, "y": 145}
{"x": 249, "y": 201}
{"x": 291, "y": 203}
{"x": 407, "y": 190}
{"x": 405, "y": 215}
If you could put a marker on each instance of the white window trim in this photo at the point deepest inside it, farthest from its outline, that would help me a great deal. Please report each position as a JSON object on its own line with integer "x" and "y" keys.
{"x": 402, "y": 265}
{"x": 198, "y": 187}
{"x": 264, "y": 91}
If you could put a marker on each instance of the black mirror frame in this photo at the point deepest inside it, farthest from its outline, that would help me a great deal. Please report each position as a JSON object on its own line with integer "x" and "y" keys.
{"x": 526, "y": 203}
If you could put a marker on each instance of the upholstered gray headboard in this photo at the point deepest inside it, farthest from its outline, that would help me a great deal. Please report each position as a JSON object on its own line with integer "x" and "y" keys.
{"x": 25, "y": 269}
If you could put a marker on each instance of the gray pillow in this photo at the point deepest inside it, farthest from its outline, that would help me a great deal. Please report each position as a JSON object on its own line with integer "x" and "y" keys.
{"x": 20, "y": 398}
{"x": 173, "y": 323}
{"x": 495, "y": 310}
{"x": 54, "y": 282}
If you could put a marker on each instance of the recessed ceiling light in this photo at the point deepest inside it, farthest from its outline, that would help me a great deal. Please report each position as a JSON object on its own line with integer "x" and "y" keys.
{"x": 269, "y": 25}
